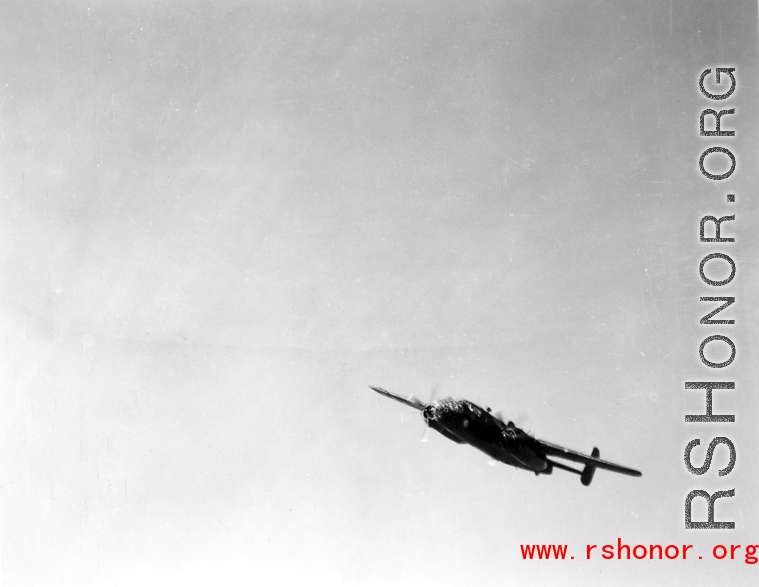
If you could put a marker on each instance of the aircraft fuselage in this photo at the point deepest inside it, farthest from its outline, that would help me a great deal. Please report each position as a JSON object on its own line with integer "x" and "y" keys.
{"x": 472, "y": 425}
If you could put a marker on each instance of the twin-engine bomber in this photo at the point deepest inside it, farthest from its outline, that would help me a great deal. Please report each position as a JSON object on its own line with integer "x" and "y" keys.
{"x": 464, "y": 422}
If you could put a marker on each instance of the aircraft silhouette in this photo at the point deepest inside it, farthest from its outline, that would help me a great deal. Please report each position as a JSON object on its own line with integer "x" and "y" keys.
{"x": 466, "y": 423}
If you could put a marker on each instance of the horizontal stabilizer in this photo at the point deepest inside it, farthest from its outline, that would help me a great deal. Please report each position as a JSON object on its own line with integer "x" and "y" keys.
{"x": 570, "y": 455}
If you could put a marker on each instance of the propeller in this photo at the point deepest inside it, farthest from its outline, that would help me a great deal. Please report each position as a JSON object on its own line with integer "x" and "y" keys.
{"x": 433, "y": 392}
{"x": 426, "y": 413}
{"x": 499, "y": 416}
{"x": 521, "y": 418}
{"x": 426, "y": 435}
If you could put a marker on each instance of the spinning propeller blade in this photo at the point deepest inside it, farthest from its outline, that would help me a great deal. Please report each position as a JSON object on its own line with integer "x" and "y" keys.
{"x": 433, "y": 392}
{"x": 426, "y": 435}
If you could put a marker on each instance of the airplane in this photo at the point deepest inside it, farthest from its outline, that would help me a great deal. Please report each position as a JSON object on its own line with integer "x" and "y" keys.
{"x": 464, "y": 422}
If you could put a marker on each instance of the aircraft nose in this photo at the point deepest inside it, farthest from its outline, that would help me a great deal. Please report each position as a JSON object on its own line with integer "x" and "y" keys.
{"x": 429, "y": 412}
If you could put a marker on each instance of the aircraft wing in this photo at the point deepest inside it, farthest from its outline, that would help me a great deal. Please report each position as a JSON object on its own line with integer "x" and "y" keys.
{"x": 570, "y": 455}
{"x": 411, "y": 401}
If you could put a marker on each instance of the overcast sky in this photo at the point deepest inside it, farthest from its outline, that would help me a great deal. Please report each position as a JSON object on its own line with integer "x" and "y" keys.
{"x": 221, "y": 220}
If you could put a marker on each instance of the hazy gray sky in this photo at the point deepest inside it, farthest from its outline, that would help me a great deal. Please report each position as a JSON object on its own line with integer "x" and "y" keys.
{"x": 221, "y": 220}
